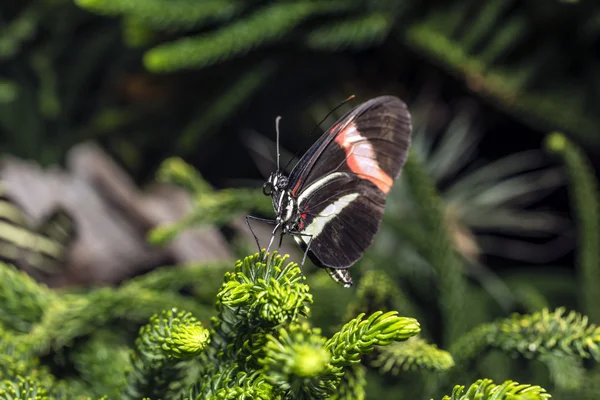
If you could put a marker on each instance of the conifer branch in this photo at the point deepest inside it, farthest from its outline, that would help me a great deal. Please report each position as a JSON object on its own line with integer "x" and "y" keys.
{"x": 357, "y": 33}
{"x": 296, "y": 360}
{"x": 19, "y": 30}
{"x": 163, "y": 14}
{"x": 442, "y": 255}
{"x": 262, "y": 344}
{"x": 352, "y": 384}
{"x": 17, "y": 361}
{"x": 199, "y": 278}
{"x": 228, "y": 382}
{"x": 360, "y": 336}
{"x": 263, "y": 26}
{"x": 413, "y": 354}
{"x": 485, "y": 389}
{"x": 23, "y": 301}
{"x": 176, "y": 171}
{"x": 170, "y": 337}
{"x": 585, "y": 199}
{"x": 534, "y": 335}
{"x": 566, "y": 372}
{"x": 79, "y": 315}
{"x": 104, "y": 348}
{"x": 136, "y": 33}
{"x": 211, "y": 207}
{"x": 480, "y": 61}
{"x": 264, "y": 294}
{"x": 23, "y": 388}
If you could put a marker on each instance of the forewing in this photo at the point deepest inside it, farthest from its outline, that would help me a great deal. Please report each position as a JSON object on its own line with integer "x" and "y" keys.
{"x": 370, "y": 141}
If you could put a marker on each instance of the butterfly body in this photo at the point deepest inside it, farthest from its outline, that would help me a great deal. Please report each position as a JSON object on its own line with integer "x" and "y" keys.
{"x": 333, "y": 201}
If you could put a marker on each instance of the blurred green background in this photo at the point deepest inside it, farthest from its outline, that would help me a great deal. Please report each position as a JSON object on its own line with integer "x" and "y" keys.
{"x": 485, "y": 81}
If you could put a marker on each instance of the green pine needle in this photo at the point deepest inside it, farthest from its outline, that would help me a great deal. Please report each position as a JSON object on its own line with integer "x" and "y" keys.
{"x": 211, "y": 207}
{"x": 264, "y": 291}
{"x": 352, "y": 385}
{"x": 585, "y": 198}
{"x": 442, "y": 254}
{"x": 22, "y": 389}
{"x": 176, "y": 171}
{"x": 169, "y": 338}
{"x": 357, "y": 33}
{"x": 566, "y": 372}
{"x": 485, "y": 389}
{"x": 170, "y": 335}
{"x": 164, "y": 14}
{"x": 412, "y": 355}
{"x": 296, "y": 359}
{"x": 534, "y": 335}
{"x": 360, "y": 336}
{"x": 263, "y": 26}
{"x": 23, "y": 301}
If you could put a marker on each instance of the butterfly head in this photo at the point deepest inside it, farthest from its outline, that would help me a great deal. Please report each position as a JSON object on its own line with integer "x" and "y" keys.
{"x": 283, "y": 203}
{"x": 276, "y": 184}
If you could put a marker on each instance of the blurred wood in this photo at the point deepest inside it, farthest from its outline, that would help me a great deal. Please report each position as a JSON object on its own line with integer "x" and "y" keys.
{"x": 112, "y": 216}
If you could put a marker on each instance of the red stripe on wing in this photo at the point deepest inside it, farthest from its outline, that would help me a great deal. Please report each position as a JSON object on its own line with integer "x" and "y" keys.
{"x": 360, "y": 157}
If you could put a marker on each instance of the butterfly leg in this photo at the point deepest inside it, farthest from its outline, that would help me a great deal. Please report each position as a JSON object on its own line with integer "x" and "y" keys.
{"x": 280, "y": 240}
{"x": 272, "y": 237}
{"x": 307, "y": 244}
{"x": 250, "y": 217}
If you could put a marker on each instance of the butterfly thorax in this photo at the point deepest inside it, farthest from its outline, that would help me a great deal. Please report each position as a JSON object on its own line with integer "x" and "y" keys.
{"x": 284, "y": 203}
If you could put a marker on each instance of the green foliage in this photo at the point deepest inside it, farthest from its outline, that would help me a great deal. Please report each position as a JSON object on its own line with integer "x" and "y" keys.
{"x": 485, "y": 389}
{"x": 585, "y": 200}
{"x": 23, "y": 388}
{"x": 262, "y": 338}
{"x": 556, "y": 339}
{"x": 352, "y": 384}
{"x": 211, "y": 207}
{"x": 260, "y": 345}
{"x": 44, "y": 78}
{"x": 92, "y": 357}
{"x": 413, "y": 354}
{"x": 488, "y": 46}
{"x": 441, "y": 253}
{"x": 357, "y": 25}
{"x": 263, "y": 341}
{"x": 534, "y": 335}
{"x": 169, "y": 337}
{"x": 358, "y": 336}
{"x": 262, "y": 27}
{"x": 356, "y": 33}
{"x": 23, "y": 300}
{"x": 166, "y": 15}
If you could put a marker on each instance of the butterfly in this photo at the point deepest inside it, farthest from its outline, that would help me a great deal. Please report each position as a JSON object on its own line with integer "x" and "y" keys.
{"x": 333, "y": 200}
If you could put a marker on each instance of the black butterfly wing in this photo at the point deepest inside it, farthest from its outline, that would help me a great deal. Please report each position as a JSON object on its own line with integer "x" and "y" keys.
{"x": 342, "y": 181}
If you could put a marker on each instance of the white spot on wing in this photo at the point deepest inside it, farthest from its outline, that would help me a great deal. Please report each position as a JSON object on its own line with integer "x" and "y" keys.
{"x": 318, "y": 223}
{"x": 318, "y": 184}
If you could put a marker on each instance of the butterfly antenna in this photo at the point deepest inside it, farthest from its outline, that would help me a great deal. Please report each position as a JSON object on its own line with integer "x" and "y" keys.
{"x": 277, "y": 138}
{"x": 352, "y": 97}
{"x": 332, "y": 111}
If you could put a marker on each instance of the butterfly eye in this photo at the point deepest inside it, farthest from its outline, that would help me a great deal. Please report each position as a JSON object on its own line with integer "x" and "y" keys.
{"x": 267, "y": 188}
